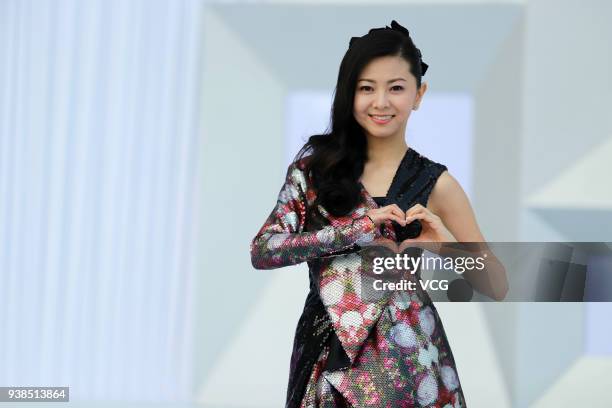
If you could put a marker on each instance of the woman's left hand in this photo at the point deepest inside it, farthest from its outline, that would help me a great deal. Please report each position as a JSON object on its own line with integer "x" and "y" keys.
{"x": 433, "y": 229}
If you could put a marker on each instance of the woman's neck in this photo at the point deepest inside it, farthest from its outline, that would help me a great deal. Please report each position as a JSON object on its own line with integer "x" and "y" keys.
{"x": 385, "y": 150}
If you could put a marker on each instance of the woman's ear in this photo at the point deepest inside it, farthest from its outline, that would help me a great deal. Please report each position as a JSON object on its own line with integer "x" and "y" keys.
{"x": 420, "y": 92}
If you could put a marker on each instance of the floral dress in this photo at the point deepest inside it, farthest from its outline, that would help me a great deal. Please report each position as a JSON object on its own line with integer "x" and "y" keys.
{"x": 354, "y": 347}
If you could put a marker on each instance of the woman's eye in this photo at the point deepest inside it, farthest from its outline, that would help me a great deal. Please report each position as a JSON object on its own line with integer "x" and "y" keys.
{"x": 367, "y": 88}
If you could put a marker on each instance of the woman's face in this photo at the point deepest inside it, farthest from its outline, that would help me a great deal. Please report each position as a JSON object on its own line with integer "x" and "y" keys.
{"x": 385, "y": 95}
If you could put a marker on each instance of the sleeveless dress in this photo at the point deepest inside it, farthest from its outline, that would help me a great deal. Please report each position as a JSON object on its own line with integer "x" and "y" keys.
{"x": 405, "y": 360}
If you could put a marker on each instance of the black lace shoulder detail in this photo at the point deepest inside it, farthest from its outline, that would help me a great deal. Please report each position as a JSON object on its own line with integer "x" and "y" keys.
{"x": 413, "y": 182}
{"x": 415, "y": 179}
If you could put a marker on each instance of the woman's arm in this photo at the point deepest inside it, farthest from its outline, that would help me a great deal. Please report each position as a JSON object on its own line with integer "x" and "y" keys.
{"x": 281, "y": 241}
{"x": 451, "y": 204}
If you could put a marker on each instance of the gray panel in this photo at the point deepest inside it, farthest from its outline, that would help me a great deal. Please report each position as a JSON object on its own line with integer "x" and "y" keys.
{"x": 304, "y": 44}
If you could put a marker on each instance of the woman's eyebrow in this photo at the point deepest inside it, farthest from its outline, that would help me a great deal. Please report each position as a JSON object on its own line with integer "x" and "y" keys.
{"x": 389, "y": 81}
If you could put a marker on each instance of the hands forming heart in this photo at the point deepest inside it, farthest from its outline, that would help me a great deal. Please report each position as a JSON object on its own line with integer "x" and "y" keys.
{"x": 433, "y": 231}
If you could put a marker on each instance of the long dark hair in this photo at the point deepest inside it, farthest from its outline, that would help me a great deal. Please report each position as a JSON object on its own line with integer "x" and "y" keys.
{"x": 338, "y": 157}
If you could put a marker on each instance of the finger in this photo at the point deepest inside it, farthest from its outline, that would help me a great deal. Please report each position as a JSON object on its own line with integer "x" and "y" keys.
{"x": 417, "y": 208}
{"x": 394, "y": 208}
{"x": 400, "y": 219}
{"x": 390, "y": 245}
{"x": 421, "y": 210}
{"x": 414, "y": 209}
{"x": 412, "y": 244}
{"x": 393, "y": 212}
{"x": 407, "y": 243}
{"x": 422, "y": 216}
{"x": 417, "y": 216}
{"x": 411, "y": 213}
{"x": 397, "y": 207}
{"x": 399, "y": 213}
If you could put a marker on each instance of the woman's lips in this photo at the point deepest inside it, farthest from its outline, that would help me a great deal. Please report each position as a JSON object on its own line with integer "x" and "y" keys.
{"x": 381, "y": 119}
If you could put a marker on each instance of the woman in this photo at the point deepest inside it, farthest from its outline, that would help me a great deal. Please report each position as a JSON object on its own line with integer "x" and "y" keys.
{"x": 362, "y": 183}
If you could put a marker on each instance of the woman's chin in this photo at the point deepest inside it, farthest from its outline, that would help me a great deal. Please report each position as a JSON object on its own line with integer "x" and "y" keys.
{"x": 381, "y": 135}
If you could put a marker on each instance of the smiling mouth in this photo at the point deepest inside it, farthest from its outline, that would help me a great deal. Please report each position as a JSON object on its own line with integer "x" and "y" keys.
{"x": 381, "y": 118}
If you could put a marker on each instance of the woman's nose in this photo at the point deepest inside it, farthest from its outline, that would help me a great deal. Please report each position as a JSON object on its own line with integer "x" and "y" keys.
{"x": 381, "y": 101}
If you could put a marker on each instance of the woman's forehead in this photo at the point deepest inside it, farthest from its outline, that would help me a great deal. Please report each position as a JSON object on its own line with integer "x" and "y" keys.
{"x": 385, "y": 68}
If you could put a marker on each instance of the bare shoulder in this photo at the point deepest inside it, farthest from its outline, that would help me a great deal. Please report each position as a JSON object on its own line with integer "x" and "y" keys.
{"x": 449, "y": 201}
{"x": 446, "y": 191}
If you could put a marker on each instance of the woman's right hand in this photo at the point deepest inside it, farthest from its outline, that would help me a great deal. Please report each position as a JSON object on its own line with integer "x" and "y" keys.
{"x": 389, "y": 212}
